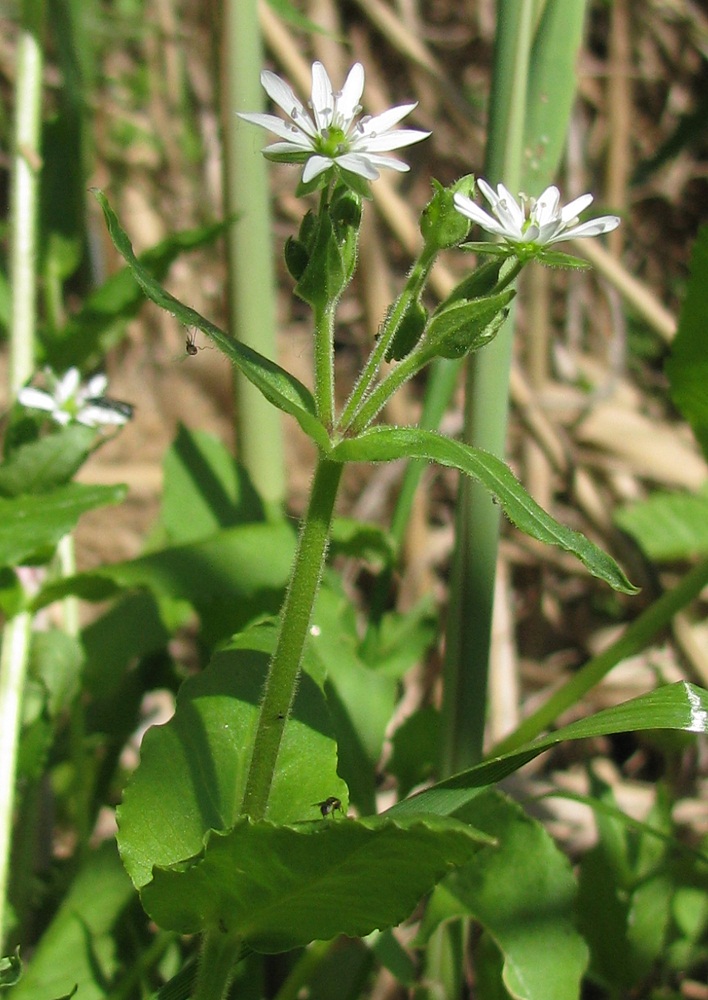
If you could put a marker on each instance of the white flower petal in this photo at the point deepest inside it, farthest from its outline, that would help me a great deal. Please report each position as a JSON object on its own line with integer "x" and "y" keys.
{"x": 36, "y": 399}
{"x": 298, "y": 149}
{"x": 361, "y": 164}
{"x": 322, "y": 97}
{"x": 594, "y": 227}
{"x": 67, "y": 385}
{"x": 96, "y": 386}
{"x": 390, "y": 140}
{"x": 286, "y": 130}
{"x": 386, "y": 120}
{"x": 509, "y": 212}
{"x": 388, "y": 162}
{"x": 352, "y": 89}
{"x": 468, "y": 208}
{"x": 545, "y": 209}
{"x": 282, "y": 94}
{"x": 96, "y": 416}
{"x": 61, "y": 417}
{"x": 315, "y": 166}
{"x": 574, "y": 208}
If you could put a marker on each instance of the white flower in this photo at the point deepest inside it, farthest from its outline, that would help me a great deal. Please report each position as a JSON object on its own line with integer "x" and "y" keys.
{"x": 330, "y": 136}
{"x": 67, "y": 400}
{"x": 533, "y": 222}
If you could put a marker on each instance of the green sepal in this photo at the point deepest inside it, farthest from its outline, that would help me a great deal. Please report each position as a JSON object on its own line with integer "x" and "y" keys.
{"x": 556, "y": 258}
{"x": 492, "y": 249}
{"x": 467, "y": 325}
{"x": 441, "y": 224}
{"x": 296, "y": 257}
{"x": 481, "y": 281}
{"x": 408, "y": 332}
{"x": 356, "y": 183}
{"x": 331, "y": 239}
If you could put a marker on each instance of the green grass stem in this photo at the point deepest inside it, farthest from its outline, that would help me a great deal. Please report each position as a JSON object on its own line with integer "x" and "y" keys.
{"x": 24, "y": 210}
{"x": 486, "y": 412}
{"x": 251, "y": 284}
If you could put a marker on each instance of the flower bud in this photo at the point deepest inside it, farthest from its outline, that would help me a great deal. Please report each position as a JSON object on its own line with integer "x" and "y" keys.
{"x": 440, "y": 222}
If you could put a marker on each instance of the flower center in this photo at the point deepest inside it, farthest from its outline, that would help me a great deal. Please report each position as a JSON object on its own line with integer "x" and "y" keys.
{"x": 332, "y": 142}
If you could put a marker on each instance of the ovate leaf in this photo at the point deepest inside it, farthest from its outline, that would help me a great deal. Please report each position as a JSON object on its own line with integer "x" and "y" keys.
{"x": 523, "y": 893}
{"x": 31, "y": 526}
{"x": 668, "y": 525}
{"x": 79, "y": 947}
{"x": 280, "y": 887}
{"x": 193, "y": 770}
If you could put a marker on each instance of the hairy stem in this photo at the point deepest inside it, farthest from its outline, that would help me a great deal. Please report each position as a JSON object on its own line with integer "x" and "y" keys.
{"x": 284, "y": 668}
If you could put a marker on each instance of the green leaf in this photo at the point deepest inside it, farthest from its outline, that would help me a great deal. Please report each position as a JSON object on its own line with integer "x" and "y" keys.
{"x": 278, "y": 888}
{"x": 668, "y": 525}
{"x": 416, "y": 749}
{"x": 679, "y": 706}
{"x": 205, "y": 489}
{"x": 361, "y": 699}
{"x": 383, "y": 444}
{"x": 31, "y": 526}
{"x": 361, "y": 540}
{"x": 687, "y": 366}
{"x": 46, "y": 462}
{"x": 523, "y": 893}
{"x": 192, "y": 771}
{"x": 279, "y": 387}
{"x": 78, "y": 947}
{"x": 230, "y": 578}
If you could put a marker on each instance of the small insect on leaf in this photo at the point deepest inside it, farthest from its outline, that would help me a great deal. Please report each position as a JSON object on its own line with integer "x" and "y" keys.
{"x": 329, "y": 806}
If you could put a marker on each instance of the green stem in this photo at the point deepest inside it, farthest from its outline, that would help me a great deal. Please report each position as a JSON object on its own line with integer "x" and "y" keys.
{"x": 13, "y": 668}
{"x": 284, "y": 669}
{"x": 25, "y": 193}
{"x": 382, "y": 392}
{"x": 26, "y": 164}
{"x": 412, "y": 289}
{"x": 324, "y": 364}
{"x": 219, "y": 954}
{"x": 636, "y": 638}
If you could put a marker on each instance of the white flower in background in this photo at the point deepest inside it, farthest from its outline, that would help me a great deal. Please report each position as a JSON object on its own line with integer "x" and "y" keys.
{"x": 531, "y": 223}
{"x": 69, "y": 401}
{"x": 330, "y": 136}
